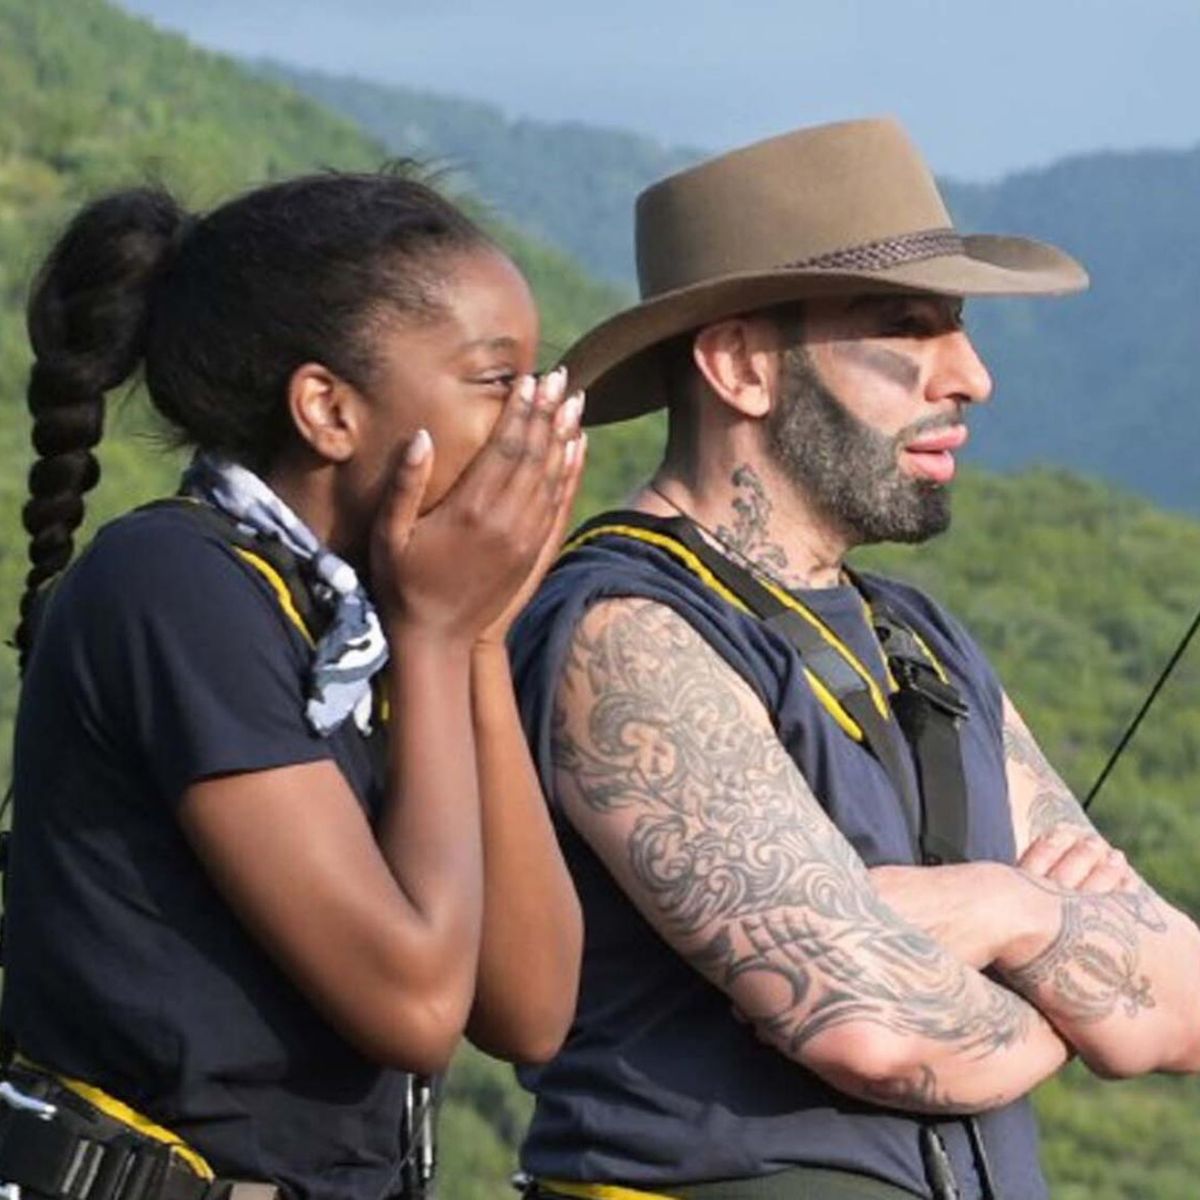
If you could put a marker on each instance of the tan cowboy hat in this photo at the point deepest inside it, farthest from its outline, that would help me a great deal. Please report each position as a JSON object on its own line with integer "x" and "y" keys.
{"x": 842, "y": 208}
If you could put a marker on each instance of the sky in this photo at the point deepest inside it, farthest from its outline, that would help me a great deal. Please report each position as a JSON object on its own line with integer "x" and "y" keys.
{"x": 985, "y": 86}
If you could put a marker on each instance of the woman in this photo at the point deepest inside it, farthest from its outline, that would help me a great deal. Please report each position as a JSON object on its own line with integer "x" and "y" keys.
{"x": 224, "y": 908}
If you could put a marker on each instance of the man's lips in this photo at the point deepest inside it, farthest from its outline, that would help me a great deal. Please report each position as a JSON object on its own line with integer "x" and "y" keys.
{"x": 951, "y": 437}
{"x": 932, "y": 454}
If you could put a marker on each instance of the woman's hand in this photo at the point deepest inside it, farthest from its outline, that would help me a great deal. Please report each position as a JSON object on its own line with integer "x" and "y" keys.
{"x": 463, "y": 569}
{"x": 566, "y": 424}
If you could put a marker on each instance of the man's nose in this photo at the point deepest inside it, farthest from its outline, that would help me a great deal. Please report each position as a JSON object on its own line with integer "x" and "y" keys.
{"x": 960, "y": 374}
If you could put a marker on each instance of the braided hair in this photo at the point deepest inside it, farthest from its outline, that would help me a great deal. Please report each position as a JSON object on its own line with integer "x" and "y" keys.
{"x": 218, "y": 312}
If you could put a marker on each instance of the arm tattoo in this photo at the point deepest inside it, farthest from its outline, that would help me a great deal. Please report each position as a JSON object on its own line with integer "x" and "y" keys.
{"x": 1052, "y": 803}
{"x": 731, "y": 853}
{"x": 921, "y": 1092}
{"x": 1091, "y": 967}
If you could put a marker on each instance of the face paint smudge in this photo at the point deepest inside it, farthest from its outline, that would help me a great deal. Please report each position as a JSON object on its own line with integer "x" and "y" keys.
{"x": 888, "y": 364}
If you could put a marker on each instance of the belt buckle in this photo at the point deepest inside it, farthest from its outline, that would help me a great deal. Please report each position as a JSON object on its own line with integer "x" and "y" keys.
{"x": 19, "y": 1101}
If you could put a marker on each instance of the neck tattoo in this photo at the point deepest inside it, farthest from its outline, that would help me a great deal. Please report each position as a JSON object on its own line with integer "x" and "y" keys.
{"x": 751, "y": 513}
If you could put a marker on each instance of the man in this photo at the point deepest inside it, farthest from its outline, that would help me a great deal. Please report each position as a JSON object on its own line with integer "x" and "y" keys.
{"x": 841, "y": 914}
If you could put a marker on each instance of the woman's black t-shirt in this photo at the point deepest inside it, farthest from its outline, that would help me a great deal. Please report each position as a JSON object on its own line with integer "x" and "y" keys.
{"x": 163, "y": 659}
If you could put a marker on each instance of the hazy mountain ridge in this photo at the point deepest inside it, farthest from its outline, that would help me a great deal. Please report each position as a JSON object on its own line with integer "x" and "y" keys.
{"x": 569, "y": 183}
{"x": 1102, "y": 383}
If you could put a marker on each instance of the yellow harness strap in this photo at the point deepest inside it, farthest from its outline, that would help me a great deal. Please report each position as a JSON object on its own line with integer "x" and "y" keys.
{"x": 599, "y": 1191}
{"x": 827, "y": 699}
{"x": 663, "y": 542}
{"x": 284, "y": 595}
{"x": 122, "y": 1113}
{"x": 280, "y": 588}
{"x": 272, "y": 576}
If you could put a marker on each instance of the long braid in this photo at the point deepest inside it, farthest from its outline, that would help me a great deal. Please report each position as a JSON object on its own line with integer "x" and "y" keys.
{"x": 87, "y": 320}
{"x": 219, "y": 312}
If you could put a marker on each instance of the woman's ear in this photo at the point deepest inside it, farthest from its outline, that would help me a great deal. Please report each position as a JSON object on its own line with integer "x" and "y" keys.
{"x": 739, "y": 360}
{"x": 326, "y": 411}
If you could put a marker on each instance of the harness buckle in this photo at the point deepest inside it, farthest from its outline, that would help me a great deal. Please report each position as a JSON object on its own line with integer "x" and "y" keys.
{"x": 919, "y": 677}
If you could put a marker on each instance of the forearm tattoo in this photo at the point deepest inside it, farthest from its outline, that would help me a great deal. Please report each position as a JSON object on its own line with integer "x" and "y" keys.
{"x": 735, "y": 855}
{"x": 1052, "y": 804}
{"x": 922, "y": 1092}
{"x": 1091, "y": 969}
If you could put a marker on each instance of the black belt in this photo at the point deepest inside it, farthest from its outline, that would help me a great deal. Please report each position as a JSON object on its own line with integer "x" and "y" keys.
{"x": 793, "y": 1183}
{"x": 54, "y": 1145}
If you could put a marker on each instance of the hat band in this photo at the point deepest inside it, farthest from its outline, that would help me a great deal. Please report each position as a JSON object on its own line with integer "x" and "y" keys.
{"x": 887, "y": 252}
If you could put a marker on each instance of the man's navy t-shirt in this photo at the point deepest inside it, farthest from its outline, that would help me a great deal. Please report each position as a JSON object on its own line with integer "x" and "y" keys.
{"x": 162, "y": 659}
{"x": 658, "y": 1083}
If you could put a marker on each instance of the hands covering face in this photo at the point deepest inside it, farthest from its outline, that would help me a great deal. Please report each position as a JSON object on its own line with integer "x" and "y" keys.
{"x": 464, "y": 569}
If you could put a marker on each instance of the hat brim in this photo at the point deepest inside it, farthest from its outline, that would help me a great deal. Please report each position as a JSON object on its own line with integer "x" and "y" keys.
{"x": 615, "y": 362}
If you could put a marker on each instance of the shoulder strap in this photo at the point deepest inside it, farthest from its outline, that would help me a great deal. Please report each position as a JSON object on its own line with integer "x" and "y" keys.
{"x": 268, "y": 556}
{"x": 680, "y": 538}
{"x": 929, "y": 709}
{"x": 844, "y": 687}
{"x": 926, "y": 705}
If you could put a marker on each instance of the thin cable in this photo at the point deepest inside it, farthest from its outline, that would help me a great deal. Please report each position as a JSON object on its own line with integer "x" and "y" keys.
{"x": 1127, "y": 736}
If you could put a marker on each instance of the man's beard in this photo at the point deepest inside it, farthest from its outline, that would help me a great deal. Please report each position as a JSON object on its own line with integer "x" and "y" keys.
{"x": 845, "y": 468}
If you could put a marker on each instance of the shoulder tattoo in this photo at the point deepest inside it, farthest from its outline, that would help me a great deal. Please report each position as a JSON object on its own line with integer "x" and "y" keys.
{"x": 732, "y": 856}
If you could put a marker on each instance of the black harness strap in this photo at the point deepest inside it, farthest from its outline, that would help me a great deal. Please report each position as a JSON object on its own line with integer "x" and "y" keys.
{"x": 821, "y": 658}
{"x": 67, "y": 1150}
{"x": 928, "y": 710}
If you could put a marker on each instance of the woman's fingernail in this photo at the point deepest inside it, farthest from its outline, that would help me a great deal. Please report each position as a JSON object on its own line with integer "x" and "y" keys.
{"x": 575, "y": 450}
{"x": 566, "y": 420}
{"x": 419, "y": 448}
{"x": 526, "y": 387}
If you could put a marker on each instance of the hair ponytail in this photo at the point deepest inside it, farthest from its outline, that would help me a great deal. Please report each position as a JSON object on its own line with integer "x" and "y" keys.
{"x": 219, "y": 312}
{"x": 87, "y": 320}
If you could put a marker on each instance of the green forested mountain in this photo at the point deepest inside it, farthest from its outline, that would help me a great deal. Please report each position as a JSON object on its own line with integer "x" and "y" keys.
{"x": 1076, "y": 589}
{"x": 1103, "y": 383}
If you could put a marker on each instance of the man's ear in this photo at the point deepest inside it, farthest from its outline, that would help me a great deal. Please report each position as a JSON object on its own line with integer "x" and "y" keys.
{"x": 739, "y": 361}
{"x": 326, "y": 411}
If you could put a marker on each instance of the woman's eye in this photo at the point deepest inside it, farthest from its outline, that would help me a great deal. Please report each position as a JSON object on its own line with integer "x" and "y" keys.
{"x": 504, "y": 380}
